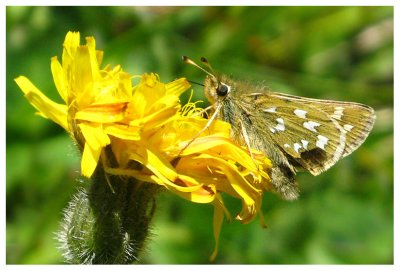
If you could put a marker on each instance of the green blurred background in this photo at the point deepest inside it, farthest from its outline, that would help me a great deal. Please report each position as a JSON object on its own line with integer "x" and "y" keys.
{"x": 344, "y": 216}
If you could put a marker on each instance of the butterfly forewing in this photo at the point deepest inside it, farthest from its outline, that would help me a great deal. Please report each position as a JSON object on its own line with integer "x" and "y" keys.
{"x": 307, "y": 134}
{"x": 356, "y": 119}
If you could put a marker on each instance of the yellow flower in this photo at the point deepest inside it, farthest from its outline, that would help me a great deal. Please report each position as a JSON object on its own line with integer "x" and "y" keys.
{"x": 210, "y": 165}
{"x": 149, "y": 133}
{"x": 98, "y": 102}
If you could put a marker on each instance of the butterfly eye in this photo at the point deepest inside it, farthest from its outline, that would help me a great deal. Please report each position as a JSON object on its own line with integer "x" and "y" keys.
{"x": 222, "y": 90}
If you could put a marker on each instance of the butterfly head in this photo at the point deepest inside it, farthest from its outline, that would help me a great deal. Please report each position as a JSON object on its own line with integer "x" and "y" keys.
{"x": 215, "y": 88}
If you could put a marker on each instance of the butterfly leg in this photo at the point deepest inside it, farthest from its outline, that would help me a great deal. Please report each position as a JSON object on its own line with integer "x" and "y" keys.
{"x": 202, "y": 130}
{"x": 247, "y": 141}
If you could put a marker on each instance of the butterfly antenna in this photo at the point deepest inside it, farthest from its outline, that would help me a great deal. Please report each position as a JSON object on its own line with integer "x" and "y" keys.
{"x": 207, "y": 64}
{"x": 191, "y": 62}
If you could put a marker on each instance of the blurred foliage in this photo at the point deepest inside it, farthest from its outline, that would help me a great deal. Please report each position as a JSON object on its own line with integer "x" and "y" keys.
{"x": 344, "y": 216}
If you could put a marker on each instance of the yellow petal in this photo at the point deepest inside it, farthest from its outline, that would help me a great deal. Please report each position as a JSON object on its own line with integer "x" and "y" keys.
{"x": 217, "y": 225}
{"x": 82, "y": 83}
{"x": 96, "y": 139}
{"x": 102, "y": 113}
{"x": 164, "y": 170}
{"x": 59, "y": 79}
{"x": 249, "y": 195}
{"x": 90, "y": 157}
{"x": 204, "y": 194}
{"x": 94, "y": 135}
{"x": 49, "y": 109}
{"x": 156, "y": 119}
{"x": 188, "y": 127}
{"x": 148, "y": 92}
{"x": 177, "y": 87}
{"x": 99, "y": 56}
{"x": 156, "y": 164}
{"x": 202, "y": 169}
{"x": 164, "y": 101}
{"x": 71, "y": 43}
{"x": 91, "y": 44}
{"x": 227, "y": 179}
{"x": 141, "y": 175}
{"x": 123, "y": 132}
{"x": 221, "y": 145}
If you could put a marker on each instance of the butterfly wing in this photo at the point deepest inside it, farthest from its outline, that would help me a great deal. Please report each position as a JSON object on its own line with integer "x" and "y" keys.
{"x": 355, "y": 118}
{"x": 314, "y": 134}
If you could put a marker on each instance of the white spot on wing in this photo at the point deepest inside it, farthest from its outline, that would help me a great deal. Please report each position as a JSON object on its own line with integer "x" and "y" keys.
{"x": 286, "y": 145}
{"x": 281, "y": 125}
{"x": 322, "y": 141}
{"x": 296, "y": 147}
{"x": 348, "y": 127}
{"x": 272, "y": 130}
{"x": 338, "y": 113}
{"x": 300, "y": 113}
{"x": 310, "y": 125}
{"x": 305, "y": 143}
{"x": 270, "y": 110}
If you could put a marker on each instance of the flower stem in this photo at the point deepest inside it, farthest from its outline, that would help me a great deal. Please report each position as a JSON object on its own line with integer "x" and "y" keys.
{"x": 105, "y": 227}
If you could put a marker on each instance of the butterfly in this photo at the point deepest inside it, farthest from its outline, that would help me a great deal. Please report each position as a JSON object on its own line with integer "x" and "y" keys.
{"x": 296, "y": 133}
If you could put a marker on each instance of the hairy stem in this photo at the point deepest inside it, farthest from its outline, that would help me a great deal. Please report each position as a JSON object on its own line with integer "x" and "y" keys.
{"x": 107, "y": 226}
